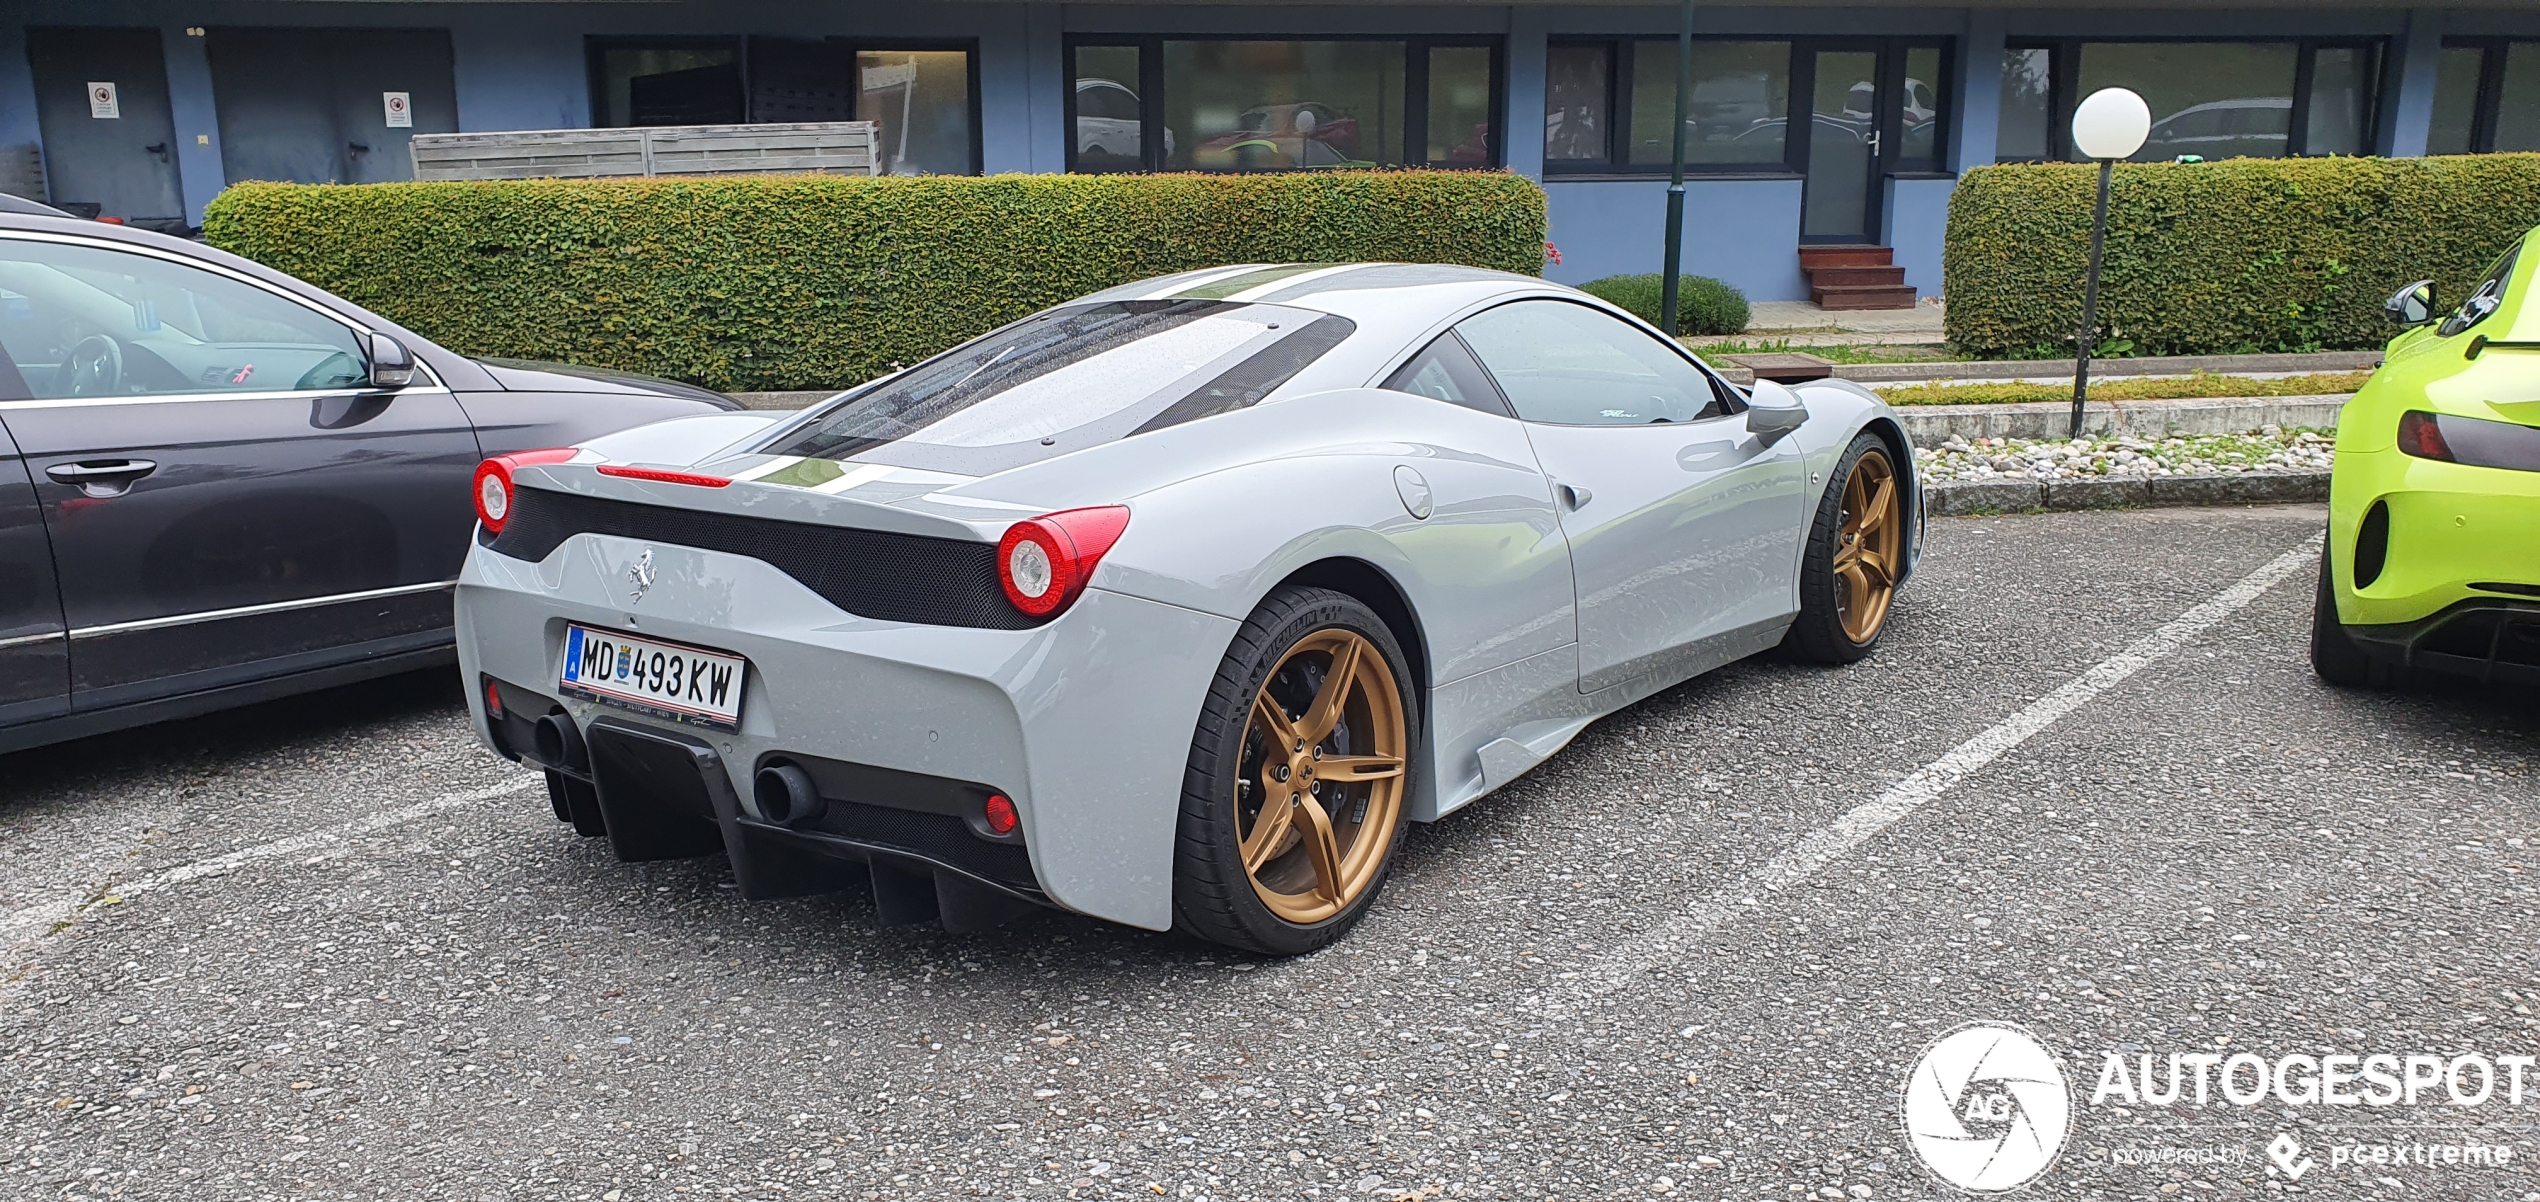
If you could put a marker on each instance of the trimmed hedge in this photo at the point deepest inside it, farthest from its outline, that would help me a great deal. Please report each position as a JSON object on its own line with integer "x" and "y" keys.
{"x": 815, "y": 281}
{"x": 2237, "y": 256}
{"x": 1703, "y": 305}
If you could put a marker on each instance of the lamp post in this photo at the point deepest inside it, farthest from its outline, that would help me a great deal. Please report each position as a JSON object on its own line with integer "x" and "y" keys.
{"x": 1676, "y": 177}
{"x": 2110, "y": 124}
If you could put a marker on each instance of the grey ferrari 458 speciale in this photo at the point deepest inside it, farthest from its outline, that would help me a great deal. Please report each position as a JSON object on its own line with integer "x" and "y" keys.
{"x": 1170, "y": 605}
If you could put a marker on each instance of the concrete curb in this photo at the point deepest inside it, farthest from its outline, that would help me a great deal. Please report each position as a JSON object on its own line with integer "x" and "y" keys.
{"x": 1932, "y": 425}
{"x": 2100, "y": 369}
{"x": 2172, "y": 365}
{"x": 1955, "y": 498}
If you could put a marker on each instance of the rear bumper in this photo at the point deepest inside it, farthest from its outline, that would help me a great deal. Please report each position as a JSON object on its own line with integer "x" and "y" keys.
{"x": 660, "y": 794}
{"x": 1085, "y": 723}
{"x": 2489, "y": 640}
{"x": 2451, "y": 529}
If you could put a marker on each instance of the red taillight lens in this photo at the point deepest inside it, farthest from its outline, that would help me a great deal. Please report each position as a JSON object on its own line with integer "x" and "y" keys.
{"x": 1000, "y": 814}
{"x": 664, "y": 476}
{"x": 2420, "y": 435}
{"x": 1044, "y": 562}
{"x": 493, "y": 699}
{"x": 493, "y": 484}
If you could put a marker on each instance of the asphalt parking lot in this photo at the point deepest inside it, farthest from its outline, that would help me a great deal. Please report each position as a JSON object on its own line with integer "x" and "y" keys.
{"x": 333, "y": 949}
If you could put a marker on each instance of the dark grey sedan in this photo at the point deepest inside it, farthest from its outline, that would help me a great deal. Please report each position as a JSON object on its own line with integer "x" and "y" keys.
{"x": 219, "y": 484}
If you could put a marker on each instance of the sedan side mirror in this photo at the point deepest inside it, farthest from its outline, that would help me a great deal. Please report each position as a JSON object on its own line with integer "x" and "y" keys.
{"x": 1773, "y": 411}
{"x": 391, "y": 364}
{"x": 2411, "y": 306}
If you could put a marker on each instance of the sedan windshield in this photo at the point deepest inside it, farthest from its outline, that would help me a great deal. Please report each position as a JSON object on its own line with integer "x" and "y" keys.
{"x": 1066, "y": 379}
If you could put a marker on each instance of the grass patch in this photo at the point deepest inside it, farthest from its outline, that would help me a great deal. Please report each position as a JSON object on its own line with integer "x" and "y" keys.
{"x": 2149, "y": 388}
{"x": 1831, "y": 354}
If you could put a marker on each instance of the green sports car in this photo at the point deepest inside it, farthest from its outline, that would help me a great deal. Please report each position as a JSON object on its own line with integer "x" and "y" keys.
{"x": 2433, "y": 553}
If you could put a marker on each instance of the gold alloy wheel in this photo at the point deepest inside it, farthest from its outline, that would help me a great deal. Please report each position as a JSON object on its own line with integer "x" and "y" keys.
{"x": 1319, "y": 790}
{"x": 1868, "y": 542}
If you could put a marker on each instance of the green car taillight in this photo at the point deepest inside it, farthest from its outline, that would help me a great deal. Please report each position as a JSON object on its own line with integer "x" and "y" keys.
{"x": 2475, "y": 442}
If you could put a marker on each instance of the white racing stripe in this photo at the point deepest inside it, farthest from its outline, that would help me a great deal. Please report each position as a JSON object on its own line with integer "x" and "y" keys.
{"x": 62, "y": 909}
{"x": 1655, "y": 949}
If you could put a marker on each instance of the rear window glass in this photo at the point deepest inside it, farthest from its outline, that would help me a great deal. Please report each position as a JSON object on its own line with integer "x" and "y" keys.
{"x": 1066, "y": 379}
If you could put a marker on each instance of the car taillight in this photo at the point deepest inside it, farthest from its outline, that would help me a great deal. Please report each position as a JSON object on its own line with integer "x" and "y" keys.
{"x": 1043, "y": 562}
{"x": 664, "y": 476}
{"x": 2470, "y": 441}
{"x": 2420, "y": 435}
{"x": 493, "y": 486}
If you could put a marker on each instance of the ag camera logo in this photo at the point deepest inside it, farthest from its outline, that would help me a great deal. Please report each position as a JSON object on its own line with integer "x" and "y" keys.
{"x": 1987, "y": 1107}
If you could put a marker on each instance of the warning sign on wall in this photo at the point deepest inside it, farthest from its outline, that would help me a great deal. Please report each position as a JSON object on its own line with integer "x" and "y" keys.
{"x": 401, "y": 114}
{"x": 101, "y": 102}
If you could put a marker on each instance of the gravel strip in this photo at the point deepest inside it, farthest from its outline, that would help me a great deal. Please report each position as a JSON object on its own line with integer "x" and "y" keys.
{"x": 2270, "y": 450}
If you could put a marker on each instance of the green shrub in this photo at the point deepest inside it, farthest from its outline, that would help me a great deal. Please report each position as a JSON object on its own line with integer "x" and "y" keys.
{"x": 1703, "y": 305}
{"x": 2238, "y": 256}
{"x": 812, "y": 281}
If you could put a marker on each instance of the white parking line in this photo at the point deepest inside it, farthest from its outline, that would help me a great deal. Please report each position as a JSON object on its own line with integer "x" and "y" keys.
{"x": 64, "y": 908}
{"x": 1640, "y": 956}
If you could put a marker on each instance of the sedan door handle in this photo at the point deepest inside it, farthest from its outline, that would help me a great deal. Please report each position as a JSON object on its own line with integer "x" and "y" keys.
{"x": 102, "y": 477}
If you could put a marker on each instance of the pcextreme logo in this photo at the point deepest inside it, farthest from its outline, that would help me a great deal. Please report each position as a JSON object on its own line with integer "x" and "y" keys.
{"x": 1987, "y": 1107}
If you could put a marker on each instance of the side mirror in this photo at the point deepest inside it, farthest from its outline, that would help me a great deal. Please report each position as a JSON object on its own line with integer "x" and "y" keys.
{"x": 2411, "y": 306}
{"x": 391, "y": 364}
{"x": 1773, "y": 411}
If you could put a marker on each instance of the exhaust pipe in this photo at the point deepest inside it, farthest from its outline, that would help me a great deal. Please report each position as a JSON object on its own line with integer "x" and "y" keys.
{"x": 786, "y": 795}
{"x": 559, "y": 742}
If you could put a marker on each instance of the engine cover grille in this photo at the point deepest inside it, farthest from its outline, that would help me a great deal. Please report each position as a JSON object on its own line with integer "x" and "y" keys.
{"x": 878, "y": 574}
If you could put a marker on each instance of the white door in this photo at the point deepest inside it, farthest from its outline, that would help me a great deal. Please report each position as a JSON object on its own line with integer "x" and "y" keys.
{"x": 1684, "y": 529}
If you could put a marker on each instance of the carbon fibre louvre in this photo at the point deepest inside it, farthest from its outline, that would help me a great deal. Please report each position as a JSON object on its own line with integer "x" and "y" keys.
{"x": 876, "y": 574}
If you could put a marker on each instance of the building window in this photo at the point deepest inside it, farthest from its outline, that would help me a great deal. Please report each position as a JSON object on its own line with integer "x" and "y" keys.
{"x": 1159, "y": 104}
{"x": 2209, "y": 100}
{"x": 2486, "y": 97}
{"x": 654, "y": 81}
{"x": 1738, "y": 111}
{"x": 924, "y": 96}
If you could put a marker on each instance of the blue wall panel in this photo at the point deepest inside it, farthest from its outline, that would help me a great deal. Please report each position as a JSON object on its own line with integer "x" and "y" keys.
{"x": 1745, "y": 232}
{"x": 1917, "y": 217}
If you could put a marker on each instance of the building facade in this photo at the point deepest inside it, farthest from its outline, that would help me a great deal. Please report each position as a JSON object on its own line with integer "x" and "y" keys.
{"x": 1809, "y": 123}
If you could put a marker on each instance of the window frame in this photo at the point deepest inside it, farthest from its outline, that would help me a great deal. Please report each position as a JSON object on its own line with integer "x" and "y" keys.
{"x": 2063, "y": 78}
{"x": 2488, "y": 102}
{"x": 1731, "y": 400}
{"x": 596, "y": 46}
{"x": 426, "y": 379}
{"x": 1801, "y": 69}
{"x": 1415, "y": 99}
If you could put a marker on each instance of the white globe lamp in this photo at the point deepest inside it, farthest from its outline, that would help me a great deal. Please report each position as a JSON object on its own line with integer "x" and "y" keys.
{"x": 2108, "y": 125}
{"x": 2111, "y": 123}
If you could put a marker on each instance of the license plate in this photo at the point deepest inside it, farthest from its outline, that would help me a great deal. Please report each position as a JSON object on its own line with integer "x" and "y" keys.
{"x": 667, "y": 680}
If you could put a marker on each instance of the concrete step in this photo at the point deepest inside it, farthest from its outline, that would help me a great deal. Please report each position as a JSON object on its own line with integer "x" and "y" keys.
{"x": 1864, "y": 296}
{"x": 1849, "y": 277}
{"x": 1845, "y": 256}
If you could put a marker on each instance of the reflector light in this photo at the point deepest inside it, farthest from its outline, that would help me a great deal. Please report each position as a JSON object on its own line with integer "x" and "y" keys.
{"x": 1001, "y": 816}
{"x": 2420, "y": 435}
{"x": 493, "y": 699}
{"x": 1044, "y": 562}
{"x": 493, "y": 484}
{"x": 664, "y": 476}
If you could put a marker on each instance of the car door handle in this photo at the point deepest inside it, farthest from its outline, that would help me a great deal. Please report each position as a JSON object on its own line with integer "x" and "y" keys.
{"x": 1573, "y": 497}
{"x": 102, "y": 477}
